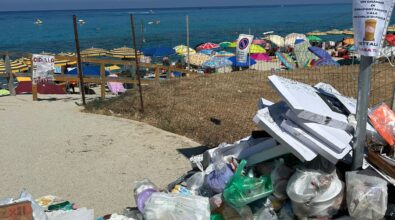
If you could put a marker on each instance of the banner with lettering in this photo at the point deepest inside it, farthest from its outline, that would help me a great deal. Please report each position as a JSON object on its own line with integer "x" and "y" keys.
{"x": 43, "y": 67}
{"x": 370, "y": 23}
{"x": 243, "y": 47}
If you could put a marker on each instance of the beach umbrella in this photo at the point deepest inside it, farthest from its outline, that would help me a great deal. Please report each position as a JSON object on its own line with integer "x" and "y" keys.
{"x": 276, "y": 39}
{"x": 207, "y": 46}
{"x": 224, "y": 54}
{"x": 183, "y": 50}
{"x": 207, "y": 52}
{"x": 66, "y": 54}
{"x": 313, "y": 38}
{"x": 217, "y": 62}
{"x": 89, "y": 70}
{"x": 257, "y": 49}
{"x": 197, "y": 59}
{"x": 47, "y": 53}
{"x": 93, "y": 52}
{"x": 225, "y": 44}
{"x": 124, "y": 53}
{"x": 348, "y": 41}
{"x": 17, "y": 66}
{"x": 291, "y": 38}
{"x": 233, "y": 44}
{"x": 258, "y": 41}
{"x": 238, "y": 64}
{"x": 261, "y": 57}
{"x": 160, "y": 51}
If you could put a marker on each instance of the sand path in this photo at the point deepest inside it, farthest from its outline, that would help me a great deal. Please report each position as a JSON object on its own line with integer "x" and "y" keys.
{"x": 50, "y": 147}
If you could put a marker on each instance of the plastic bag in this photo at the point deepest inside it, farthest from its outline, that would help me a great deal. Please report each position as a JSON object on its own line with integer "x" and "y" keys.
{"x": 38, "y": 212}
{"x": 219, "y": 177}
{"x": 242, "y": 190}
{"x": 315, "y": 194}
{"x": 266, "y": 212}
{"x": 162, "y": 206}
{"x": 142, "y": 191}
{"x": 366, "y": 196}
{"x": 383, "y": 119}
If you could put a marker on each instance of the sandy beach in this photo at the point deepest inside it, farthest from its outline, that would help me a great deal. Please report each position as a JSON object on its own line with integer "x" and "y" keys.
{"x": 51, "y": 147}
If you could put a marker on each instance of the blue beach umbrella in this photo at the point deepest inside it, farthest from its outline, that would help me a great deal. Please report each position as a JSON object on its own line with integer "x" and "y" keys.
{"x": 217, "y": 62}
{"x": 159, "y": 51}
{"x": 238, "y": 64}
{"x": 88, "y": 70}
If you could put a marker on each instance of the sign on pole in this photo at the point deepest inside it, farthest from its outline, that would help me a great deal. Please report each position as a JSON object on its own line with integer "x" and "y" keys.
{"x": 43, "y": 68}
{"x": 243, "y": 47}
{"x": 370, "y": 21}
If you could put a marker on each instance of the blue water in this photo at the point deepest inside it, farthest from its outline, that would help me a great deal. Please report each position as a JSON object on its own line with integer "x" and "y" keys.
{"x": 111, "y": 28}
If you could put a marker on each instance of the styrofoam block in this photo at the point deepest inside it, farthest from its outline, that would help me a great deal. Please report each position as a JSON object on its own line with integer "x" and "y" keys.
{"x": 263, "y": 103}
{"x": 267, "y": 154}
{"x": 270, "y": 119}
{"x": 306, "y": 103}
{"x": 313, "y": 143}
{"x": 336, "y": 139}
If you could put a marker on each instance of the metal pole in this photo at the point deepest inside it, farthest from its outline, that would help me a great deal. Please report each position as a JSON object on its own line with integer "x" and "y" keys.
{"x": 8, "y": 71}
{"x": 137, "y": 63}
{"x": 365, "y": 72}
{"x": 187, "y": 23}
{"x": 79, "y": 67}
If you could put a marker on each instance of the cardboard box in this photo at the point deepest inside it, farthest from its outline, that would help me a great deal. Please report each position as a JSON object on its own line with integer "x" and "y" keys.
{"x": 16, "y": 211}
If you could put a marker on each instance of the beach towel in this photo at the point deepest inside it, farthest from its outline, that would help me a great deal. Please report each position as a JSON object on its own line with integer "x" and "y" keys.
{"x": 286, "y": 60}
{"x": 115, "y": 87}
{"x": 302, "y": 54}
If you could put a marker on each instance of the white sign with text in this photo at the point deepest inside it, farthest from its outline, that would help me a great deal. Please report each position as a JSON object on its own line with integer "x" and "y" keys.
{"x": 243, "y": 47}
{"x": 43, "y": 67}
{"x": 370, "y": 22}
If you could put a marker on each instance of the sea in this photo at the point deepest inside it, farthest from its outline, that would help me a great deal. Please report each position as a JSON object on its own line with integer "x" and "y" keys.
{"x": 163, "y": 27}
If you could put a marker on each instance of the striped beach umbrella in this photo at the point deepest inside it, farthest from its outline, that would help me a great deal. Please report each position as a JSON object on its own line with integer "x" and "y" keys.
{"x": 66, "y": 54}
{"x": 291, "y": 38}
{"x": 124, "y": 53}
{"x": 93, "y": 52}
{"x": 224, "y": 54}
{"x": 17, "y": 66}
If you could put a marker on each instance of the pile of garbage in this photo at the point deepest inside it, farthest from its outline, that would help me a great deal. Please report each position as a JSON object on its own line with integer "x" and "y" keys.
{"x": 297, "y": 166}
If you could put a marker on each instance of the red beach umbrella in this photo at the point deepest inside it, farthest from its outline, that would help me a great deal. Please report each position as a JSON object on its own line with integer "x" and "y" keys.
{"x": 390, "y": 39}
{"x": 207, "y": 46}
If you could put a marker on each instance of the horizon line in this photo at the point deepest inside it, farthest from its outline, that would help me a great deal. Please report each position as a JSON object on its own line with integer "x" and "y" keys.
{"x": 179, "y": 8}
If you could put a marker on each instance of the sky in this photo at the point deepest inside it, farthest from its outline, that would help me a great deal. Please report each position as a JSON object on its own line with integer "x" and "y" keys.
{"x": 27, "y": 5}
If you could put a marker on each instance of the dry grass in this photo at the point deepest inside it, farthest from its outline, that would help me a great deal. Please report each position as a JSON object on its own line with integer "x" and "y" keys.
{"x": 187, "y": 106}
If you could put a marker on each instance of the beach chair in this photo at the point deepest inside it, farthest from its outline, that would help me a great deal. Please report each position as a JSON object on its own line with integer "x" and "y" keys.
{"x": 115, "y": 87}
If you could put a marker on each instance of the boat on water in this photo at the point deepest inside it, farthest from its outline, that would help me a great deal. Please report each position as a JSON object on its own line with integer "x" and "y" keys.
{"x": 38, "y": 21}
{"x": 81, "y": 21}
{"x": 154, "y": 22}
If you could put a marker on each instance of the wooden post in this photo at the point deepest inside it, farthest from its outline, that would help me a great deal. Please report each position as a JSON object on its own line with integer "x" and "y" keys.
{"x": 137, "y": 63}
{"x": 103, "y": 81}
{"x": 34, "y": 83}
{"x": 393, "y": 99}
{"x": 79, "y": 67}
{"x": 157, "y": 73}
{"x": 8, "y": 72}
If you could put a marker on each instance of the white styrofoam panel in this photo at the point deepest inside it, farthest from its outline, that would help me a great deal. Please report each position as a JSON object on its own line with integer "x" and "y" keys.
{"x": 270, "y": 119}
{"x": 336, "y": 139}
{"x": 306, "y": 103}
{"x": 313, "y": 143}
{"x": 267, "y": 154}
{"x": 263, "y": 103}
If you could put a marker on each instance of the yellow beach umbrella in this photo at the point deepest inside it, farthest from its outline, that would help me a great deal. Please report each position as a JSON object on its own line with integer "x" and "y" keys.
{"x": 183, "y": 50}
{"x": 197, "y": 59}
{"x": 257, "y": 49}
{"x": 348, "y": 32}
{"x": 17, "y": 66}
{"x": 316, "y": 33}
{"x": 64, "y": 61}
{"x": 124, "y": 53}
{"x": 93, "y": 52}
{"x": 233, "y": 44}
